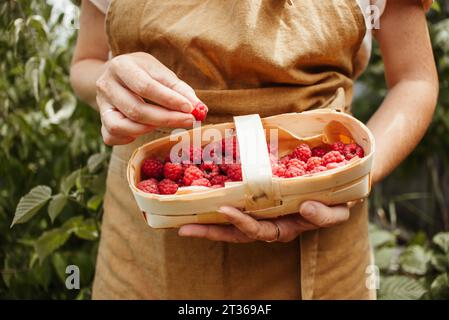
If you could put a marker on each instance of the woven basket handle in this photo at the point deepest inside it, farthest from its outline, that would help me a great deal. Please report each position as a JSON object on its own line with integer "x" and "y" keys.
{"x": 254, "y": 157}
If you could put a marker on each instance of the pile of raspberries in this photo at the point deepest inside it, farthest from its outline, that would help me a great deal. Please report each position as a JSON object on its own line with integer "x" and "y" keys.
{"x": 165, "y": 177}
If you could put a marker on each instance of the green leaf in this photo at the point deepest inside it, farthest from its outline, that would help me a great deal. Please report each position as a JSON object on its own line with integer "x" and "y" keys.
{"x": 400, "y": 288}
{"x": 56, "y": 205}
{"x": 84, "y": 229}
{"x": 95, "y": 161}
{"x": 381, "y": 237}
{"x": 383, "y": 257}
{"x": 442, "y": 241}
{"x": 440, "y": 262}
{"x": 440, "y": 287}
{"x": 51, "y": 240}
{"x": 31, "y": 203}
{"x": 69, "y": 182}
{"x": 60, "y": 264}
{"x": 95, "y": 202}
{"x": 414, "y": 260}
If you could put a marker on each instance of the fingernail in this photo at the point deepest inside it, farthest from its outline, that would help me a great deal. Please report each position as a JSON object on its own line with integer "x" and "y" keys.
{"x": 188, "y": 122}
{"x": 188, "y": 108}
{"x": 308, "y": 208}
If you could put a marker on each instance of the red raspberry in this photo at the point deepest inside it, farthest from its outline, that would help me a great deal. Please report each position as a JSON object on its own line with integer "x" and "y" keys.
{"x": 210, "y": 170}
{"x": 218, "y": 180}
{"x": 284, "y": 160}
{"x": 149, "y": 186}
{"x": 200, "y": 111}
{"x": 297, "y": 164}
{"x": 152, "y": 168}
{"x": 318, "y": 152}
{"x": 352, "y": 150}
{"x": 173, "y": 171}
{"x": 234, "y": 172}
{"x": 167, "y": 186}
{"x": 278, "y": 169}
{"x": 203, "y": 182}
{"x": 217, "y": 186}
{"x": 313, "y": 163}
{"x": 338, "y": 146}
{"x": 226, "y": 162}
{"x": 191, "y": 174}
{"x": 293, "y": 172}
{"x": 213, "y": 152}
{"x": 318, "y": 169}
{"x": 302, "y": 152}
{"x": 333, "y": 156}
{"x": 230, "y": 147}
{"x": 193, "y": 155}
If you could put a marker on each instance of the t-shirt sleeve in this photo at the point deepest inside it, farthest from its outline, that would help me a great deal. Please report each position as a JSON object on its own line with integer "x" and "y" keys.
{"x": 102, "y": 5}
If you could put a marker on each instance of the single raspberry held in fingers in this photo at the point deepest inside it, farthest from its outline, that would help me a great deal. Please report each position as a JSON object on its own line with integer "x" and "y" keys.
{"x": 167, "y": 186}
{"x": 234, "y": 172}
{"x": 210, "y": 170}
{"x": 352, "y": 150}
{"x": 293, "y": 172}
{"x": 200, "y": 111}
{"x": 318, "y": 152}
{"x": 302, "y": 152}
{"x": 191, "y": 174}
{"x": 149, "y": 186}
{"x": 333, "y": 156}
{"x": 173, "y": 171}
{"x": 219, "y": 180}
{"x": 203, "y": 182}
{"x": 313, "y": 163}
{"x": 338, "y": 146}
{"x": 152, "y": 168}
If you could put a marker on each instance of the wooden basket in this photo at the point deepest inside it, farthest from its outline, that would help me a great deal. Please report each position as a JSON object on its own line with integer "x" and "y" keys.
{"x": 260, "y": 194}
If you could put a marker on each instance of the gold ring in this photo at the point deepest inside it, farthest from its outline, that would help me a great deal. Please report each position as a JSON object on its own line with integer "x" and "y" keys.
{"x": 278, "y": 234}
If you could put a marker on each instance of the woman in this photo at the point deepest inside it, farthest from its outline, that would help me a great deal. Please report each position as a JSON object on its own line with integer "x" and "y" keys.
{"x": 243, "y": 57}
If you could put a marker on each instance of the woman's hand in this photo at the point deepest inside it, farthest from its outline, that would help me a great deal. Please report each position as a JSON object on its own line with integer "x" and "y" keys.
{"x": 243, "y": 228}
{"x": 121, "y": 89}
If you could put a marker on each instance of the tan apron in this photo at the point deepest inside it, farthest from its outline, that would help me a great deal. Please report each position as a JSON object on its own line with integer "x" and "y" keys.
{"x": 241, "y": 57}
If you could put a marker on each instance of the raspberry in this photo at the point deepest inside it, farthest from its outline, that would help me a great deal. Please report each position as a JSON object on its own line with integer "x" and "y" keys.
{"x": 333, "y": 156}
{"x": 352, "y": 150}
{"x": 217, "y": 186}
{"x": 284, "y": 160}
{"x": 203, "y": 182}
{"x": 318, "y": 169}
{"x": 313, "y": 163}
{"x": 149, "y": 186}
{"x": 278, "y": 169}
{"x": 152, "y": 168}
{"x": 302, "y": 152}
{"x": 210, "y": 170}
{"x": 218, "y": 180}
{"x": 338, "y": 146}
{"x": 192, "y": 155}
{"x": 297, "y": 164}
{"x": 234, "y": 172}
{"x": 230, "y": 147}
{"x": 318, "y": 152}
{"x": 191, "y": 174}
{"x": 293, "y": 172}
{"x": 225, "y": 164}
{"x": 167, "y": 186}
{"x": 173, "y": 171}
{"x": 200, "y": 111}
{"x": 212, "y": 152}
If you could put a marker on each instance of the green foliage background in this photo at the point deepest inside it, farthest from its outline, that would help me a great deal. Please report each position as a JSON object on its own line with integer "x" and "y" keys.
{"x": 51, "y": 150}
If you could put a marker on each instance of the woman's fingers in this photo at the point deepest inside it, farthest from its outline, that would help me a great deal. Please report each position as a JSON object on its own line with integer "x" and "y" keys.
{"x": 227, "y": 233}
{"x": 323, "y": 216}
{"x": 145, "y": 86}
{"x": 253, "y": 229}
{"x": 112, "y": 140}
{"x": 118, "y": 125}
{"x": 134, "y": 108}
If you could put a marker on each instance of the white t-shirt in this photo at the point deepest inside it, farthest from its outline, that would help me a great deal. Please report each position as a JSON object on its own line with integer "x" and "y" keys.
{"x": 370, "y": 9}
